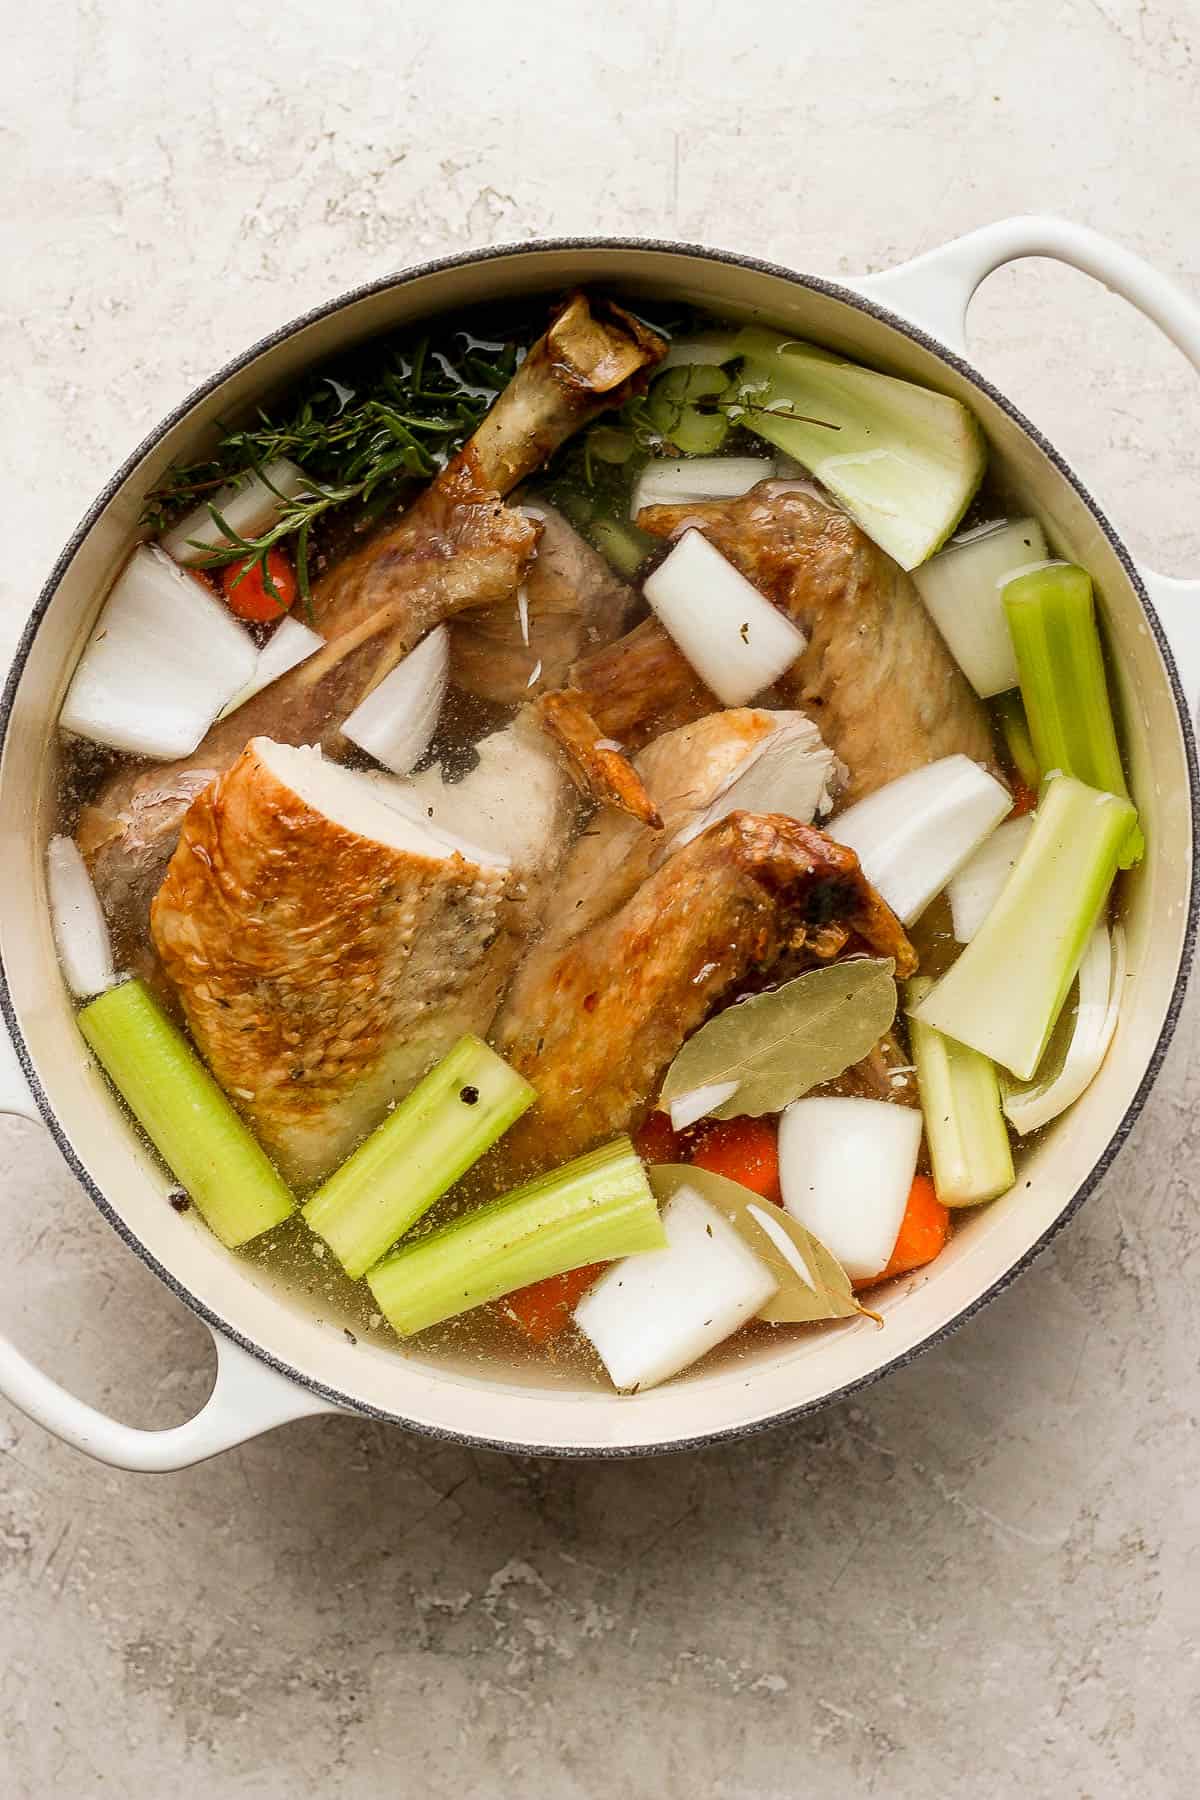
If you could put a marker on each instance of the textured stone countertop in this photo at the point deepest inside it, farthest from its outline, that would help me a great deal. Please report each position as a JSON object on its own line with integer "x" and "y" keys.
{"x": 983, "y": 1576}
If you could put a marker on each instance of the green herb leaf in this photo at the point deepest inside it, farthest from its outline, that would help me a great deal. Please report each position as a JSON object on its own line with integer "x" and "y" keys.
{"x": 822, "y": 1292}
{"x": 778, "y": 1045}
{"x": 385, "y": 416}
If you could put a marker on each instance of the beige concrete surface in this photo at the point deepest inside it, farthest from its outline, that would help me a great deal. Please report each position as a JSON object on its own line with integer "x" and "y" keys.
{"x": 982, "y": 1578}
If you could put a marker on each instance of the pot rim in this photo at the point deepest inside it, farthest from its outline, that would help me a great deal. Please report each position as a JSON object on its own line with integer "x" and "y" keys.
{"x": 862, "y": 303}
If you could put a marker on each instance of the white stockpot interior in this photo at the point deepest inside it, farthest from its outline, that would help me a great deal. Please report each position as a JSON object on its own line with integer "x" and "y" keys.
{"x": 515, "y": 1407}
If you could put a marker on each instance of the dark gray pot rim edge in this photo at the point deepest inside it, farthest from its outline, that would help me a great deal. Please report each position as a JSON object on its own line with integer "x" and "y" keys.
{"x": 849, "y": 297}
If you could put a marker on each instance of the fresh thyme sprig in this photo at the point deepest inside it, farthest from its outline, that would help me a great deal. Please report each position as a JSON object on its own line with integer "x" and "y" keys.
{"x": 362, "y": 430}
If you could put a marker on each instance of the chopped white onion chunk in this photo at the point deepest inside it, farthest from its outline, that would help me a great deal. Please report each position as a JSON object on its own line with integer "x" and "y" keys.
{"x": 845, "y": 1168}
{"x": 737, "y": 642}
{"x": 914, "y": 834}
{"x": 80, "y": 928}
{"x": 248, "y": 506}
{"x": 1101, "y": 982}
{"x": 651, "y": 1315}
{"x": 290, "y": 644}
{"x": 700, "y": 1102}
{"x": 973, "y": 892}
{"x": 396, "y": 722}
{"x": 164, "y": 658}
{"x": 677, "y": 481}
{"x": 961, "y": 588}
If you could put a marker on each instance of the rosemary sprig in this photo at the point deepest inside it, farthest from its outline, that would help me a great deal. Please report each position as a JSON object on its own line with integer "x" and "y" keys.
{"x": 363, "y": 430}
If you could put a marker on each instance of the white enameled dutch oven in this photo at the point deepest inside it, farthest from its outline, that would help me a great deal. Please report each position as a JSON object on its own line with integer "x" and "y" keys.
{"x": 278, "y": 1361}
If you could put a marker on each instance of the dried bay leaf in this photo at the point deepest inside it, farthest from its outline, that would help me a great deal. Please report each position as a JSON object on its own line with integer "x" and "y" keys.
{"x": 778, "y": 1045}
{"x": 823, "y": 1291}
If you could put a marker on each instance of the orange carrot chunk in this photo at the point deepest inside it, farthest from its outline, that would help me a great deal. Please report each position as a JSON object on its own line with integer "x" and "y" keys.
{"x": 248, "y": 596}
{"x": 544, "y": 1309}
{"x": 922, "y": 1235}
{"x": 743, "y": 1150}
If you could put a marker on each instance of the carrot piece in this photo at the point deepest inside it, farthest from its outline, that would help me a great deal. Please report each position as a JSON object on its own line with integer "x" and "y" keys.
{"x": 922, "y": 1235}
{"x": 744, "y": 1150}
{"x": 543, "y": 1309}
{"x": 1024, "y": 798}
{"x": 249, "y": 597}
{"x": 657, "y": 1141}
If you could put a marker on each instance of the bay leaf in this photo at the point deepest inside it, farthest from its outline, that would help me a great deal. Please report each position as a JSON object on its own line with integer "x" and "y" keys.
{"x": 778, "y": 1045}
{"x": 822, "y": 1292}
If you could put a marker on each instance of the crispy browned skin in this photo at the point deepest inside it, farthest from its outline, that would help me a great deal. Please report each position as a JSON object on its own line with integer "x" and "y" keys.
{"x": 597, "y": 765}
{"x": 595, "y": 1026}
{"x": 321, "y": 972}
{"x": 876, "y": 677}
{"x": 574, "y": 603}
{"x": 457, "y": 547}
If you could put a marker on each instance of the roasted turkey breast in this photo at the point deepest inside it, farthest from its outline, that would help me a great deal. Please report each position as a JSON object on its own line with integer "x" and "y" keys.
{"x": 326, "y": 949}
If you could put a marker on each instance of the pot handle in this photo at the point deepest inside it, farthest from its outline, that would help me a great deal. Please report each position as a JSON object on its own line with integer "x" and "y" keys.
{"x": 248, "y": 1397}
{"x": 934, "y": 290}
{"x": 1177, "y": 604}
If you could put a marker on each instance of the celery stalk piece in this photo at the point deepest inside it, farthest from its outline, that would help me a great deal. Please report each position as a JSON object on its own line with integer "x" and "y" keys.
{"x": 185, "y": 1115}
{"x": 1015, "y": 727}
{"x": 594, "y": 1209}
{"x": 1005, "y": 992}
{"x": 964, "y": 1123}
{"x": 624, "y": 546}
{"x": 1052, "y": 618}
{"x": 903, "y": 460}
{"x": 435, "y": 1134}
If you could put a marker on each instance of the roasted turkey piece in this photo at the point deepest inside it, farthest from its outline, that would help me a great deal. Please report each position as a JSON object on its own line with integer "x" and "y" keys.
{"x": 326, "y": 949}
{"x": 691, "y": 773}
{"x": 458, "y": 546}
{"x": 326, "y": 944}
{"x": 876, "y": 676}
{"x": 595, "y": 1027}
{"x": 570, "y": 603}
{"x": 464, "y": 548}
